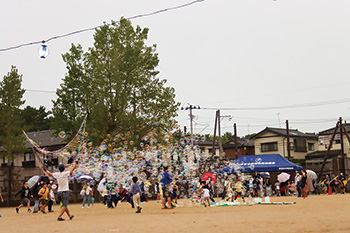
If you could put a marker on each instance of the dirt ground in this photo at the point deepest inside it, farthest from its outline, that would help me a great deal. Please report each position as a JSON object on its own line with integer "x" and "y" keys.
{"x": 314, "y": 214}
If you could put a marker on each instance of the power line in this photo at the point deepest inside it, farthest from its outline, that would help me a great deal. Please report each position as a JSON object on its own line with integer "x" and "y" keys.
{"x": 31, "y": 90}
{"x": 287, "y": 106}
{"x": 93, "y": 28}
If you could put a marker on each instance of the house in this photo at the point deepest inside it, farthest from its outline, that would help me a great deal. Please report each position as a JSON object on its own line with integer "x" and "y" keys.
{"x": 245, "y": 146}
{"x": 274, "y": 140}
{"x": 334, "y": 162}
{"x": 23, "y": 165}
{"x": 44, "y": 139}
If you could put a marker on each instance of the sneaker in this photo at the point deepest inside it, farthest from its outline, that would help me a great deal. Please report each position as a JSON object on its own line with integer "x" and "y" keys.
{"x": 17, "y": 209}
{"x": 88, "y": 207}
{"x": 29, "y": 210}
{"x": 82, "y": 207}
{"x": 35, "y": 211}
{"x": 60, "y": 219}
{"x": 43, "y": 212}
{"x": 71, "y": 217}
{"x": 51, "y": 211}
{"x": 0, "y": 216}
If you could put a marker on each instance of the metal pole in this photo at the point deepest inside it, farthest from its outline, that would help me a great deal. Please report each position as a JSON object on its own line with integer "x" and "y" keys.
{"x": 215, "y": 126}
{"x": 236, "y": 146}
{"x": 191, "y": 123}
{"x": 288, "y": 142}
{"x": 220, "y": 142}
{"x": 342, "y": 146}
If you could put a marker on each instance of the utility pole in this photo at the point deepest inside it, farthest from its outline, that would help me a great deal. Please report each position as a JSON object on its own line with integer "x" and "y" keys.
{"x": 288, "y": 142}
{"x": 236, "y": 146}
{"x": 220, "y": 142}
{"x": 342, "y": 146}
{"x": 190, "y": 107}
{"x": 328, "y": 150}
{"x": 191, "y": 123}
{"x": 215, "y": 126}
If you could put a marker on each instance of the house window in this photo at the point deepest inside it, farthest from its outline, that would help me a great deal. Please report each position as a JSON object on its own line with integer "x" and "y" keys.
{"x": 311, "y": 146}
{"x": 29, "y": 157}
{"x": 300, "y": 145}
{"x": 270, "y": 146}
{"x": 337, "y": 141}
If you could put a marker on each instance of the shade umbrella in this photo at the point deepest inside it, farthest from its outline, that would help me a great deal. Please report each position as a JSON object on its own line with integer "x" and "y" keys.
{"x": 283, "y": 177}
{"x": 208, "y": 175}
{"x": 311, "y": 174}
{"x": 265, "y": 174}
{"x": 84, "y": 177}
{"x": 33, "y": 181}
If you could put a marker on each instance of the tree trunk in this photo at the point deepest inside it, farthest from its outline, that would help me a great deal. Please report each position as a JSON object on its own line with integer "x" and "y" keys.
{"x": 9, "y": 191}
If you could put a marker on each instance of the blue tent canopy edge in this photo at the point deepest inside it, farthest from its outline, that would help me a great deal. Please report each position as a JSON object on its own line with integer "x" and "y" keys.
{"x": 260, "y": 163}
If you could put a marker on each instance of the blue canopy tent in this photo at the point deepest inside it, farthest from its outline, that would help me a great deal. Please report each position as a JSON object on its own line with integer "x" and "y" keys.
{"x": 260, "y": 163}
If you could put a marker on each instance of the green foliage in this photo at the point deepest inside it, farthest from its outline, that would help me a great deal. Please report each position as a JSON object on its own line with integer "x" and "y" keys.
{"x": 35, "y": 119}
{"x": 227, "y": 137}
{"x": 11, "y": 94}
{"x": 116, "y": 84}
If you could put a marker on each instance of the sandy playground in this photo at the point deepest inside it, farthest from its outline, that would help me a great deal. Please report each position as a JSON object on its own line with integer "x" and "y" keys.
{"x": 315, "y": 214}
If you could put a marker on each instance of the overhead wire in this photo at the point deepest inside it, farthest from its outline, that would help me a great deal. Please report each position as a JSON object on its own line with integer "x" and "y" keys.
{"x": 313, "y": 104}
{"x": 96, "y": 27}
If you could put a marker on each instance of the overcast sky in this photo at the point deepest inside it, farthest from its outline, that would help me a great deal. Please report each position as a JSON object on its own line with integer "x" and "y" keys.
{"x": 218, "y": 54}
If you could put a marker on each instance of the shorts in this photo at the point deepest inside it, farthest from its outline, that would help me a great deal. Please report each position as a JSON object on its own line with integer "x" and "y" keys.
{"x": 63, "y": 197}
{"x": 25, "y": 201}
{"x": 174, "y": 195}
{"x": 44, "y": 202}
{"x": 166, "y": 191}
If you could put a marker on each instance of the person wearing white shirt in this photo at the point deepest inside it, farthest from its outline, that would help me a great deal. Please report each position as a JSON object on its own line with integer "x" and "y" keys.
{"x": 63, "y": 188}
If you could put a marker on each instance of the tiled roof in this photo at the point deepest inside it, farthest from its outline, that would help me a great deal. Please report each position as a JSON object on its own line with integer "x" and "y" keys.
{"x": 283, "y": 132}
{"x": 44, "y": 138}
{"x": 322, "y": 154}
{"x": 331, "y": 130}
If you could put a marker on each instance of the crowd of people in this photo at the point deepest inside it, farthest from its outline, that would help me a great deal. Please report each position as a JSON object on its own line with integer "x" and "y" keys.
{"x": 301, "y": 186}
{"x": 166, "y": 188}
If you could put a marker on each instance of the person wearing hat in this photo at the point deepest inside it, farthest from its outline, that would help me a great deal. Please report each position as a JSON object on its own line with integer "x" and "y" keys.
{"x": 63, "y": 188}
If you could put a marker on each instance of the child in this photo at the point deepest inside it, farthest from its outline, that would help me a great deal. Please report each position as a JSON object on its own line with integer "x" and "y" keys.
{"x": 136, "y": 194}
{"x": 239, "y": 187}
{"x": 175, "y": 195}
{"x": 206, "y": 194}
{"x": 156, "y": 190}
{"x": 25, "y": 195}
{"x": 44, "y": 194}
{"x": 229, "y": 191}
{"x": 293, "y": 188}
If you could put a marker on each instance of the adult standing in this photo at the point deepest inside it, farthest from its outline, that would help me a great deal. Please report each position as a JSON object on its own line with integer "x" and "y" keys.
{"x": 303, "y": 184}
{"x": 63, "y": 188}
{"x": 86, "y": 195}
{"x": 310, "y": 185}
{"x": 298, "y": 183}
{"x": 136, "y": 194}
{"x": 166, "y": 181}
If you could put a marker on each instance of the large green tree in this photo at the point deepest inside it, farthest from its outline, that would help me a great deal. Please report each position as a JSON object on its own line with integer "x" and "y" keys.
{"x": 35, "y": 119}
{"x": 116, "y": 83}
{"x": 11, "y": 94}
